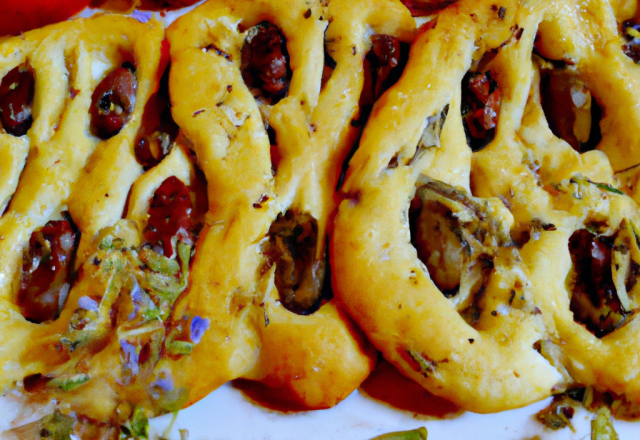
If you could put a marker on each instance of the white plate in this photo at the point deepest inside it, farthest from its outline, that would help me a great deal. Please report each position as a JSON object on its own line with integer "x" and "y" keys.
{"x": 227, "y": 414}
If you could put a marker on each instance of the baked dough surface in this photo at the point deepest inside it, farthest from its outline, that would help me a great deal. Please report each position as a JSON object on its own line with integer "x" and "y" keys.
{"x": 320, "y": 358}
{"x": 59, "y": 166}
{"x": 526, "y": 176}
{"x": 505, "y": 338}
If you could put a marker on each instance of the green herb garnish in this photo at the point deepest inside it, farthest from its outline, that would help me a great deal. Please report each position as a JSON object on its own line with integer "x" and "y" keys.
{"x": 179, "y": 348}
{"x": 602, "y": 427}
{"x": 415, "y": 434}
{"x": 56, "y": 426}
{"x": 159, "y": 263}
{"x": 609, "y": 188}
{"x": 136, "y": 427}
{"x": 69, "y": 383}
{"x": 425, "y": 366}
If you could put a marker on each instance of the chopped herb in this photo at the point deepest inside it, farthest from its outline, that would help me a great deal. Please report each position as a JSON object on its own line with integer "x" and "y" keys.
{"x": 69, "y": 343}
{"x": 174, "y": 400}
{"x": 159, "y": 263}
{"x": 425, "y": 366}
{"x": 56, "y": 426}
{"x": 151, "y": 314}
{"x": 106, "y": 243}
{"x": 415, "y": 434}
{"x": 558, "y": 414}
{"x": 137, "y": 427}
{"x": 433, "y": 128}
{"x": 552, "y": 420}
{"x": 576, "y": 394}
{"x": 593, "y": 228}
{"x": 179, "y": 348}
{"x": 603, "y": 186}
{"x": 69, "y": 383}
{"x": 602, "y": 427}
{"x": 609, "y": 188}
{"x": 168, "y": 287}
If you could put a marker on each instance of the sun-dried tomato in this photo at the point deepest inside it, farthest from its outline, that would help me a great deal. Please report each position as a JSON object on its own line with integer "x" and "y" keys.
{"x": 480, "y": 108}
{"x": 112, "y": 102}
{"x": 594, "y": 301}
{"x": 266, "y": 62}
{"x": 158, "y": 129}
{"x": 16, "y": 95}
{"x": 22, "y": 16}
{"x": 423, "y": 8}
{"x": 169, "y": 215}
{"x": 45, "y": 271}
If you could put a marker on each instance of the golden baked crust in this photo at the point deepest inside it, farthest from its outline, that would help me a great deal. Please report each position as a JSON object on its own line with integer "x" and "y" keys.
{"x": 525, "y": 178}
{"x": 564, "y": 192}
{"x": 319, "y": 358}
{"x": 152, "y": 330}
{"x": 607, "y": 361}
{"x": 59, "y": 166}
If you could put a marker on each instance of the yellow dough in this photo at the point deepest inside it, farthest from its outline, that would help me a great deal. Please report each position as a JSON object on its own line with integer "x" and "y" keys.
{"x": 62, "y": 167}
{"x": 319, "y": 358}
{"x": 525, "y": 179}
{"x": 471, "y": 256}
{"x": 564, "y": 193}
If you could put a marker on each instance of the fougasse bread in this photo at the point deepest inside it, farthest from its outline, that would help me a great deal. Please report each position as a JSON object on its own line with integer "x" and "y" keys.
{"x": 67, "y": 165}
{"x": 485, "y": 244}
{"x": 165, "y": 232}
{"x": 262, "y": 260}
{"x": 168, "y": 199}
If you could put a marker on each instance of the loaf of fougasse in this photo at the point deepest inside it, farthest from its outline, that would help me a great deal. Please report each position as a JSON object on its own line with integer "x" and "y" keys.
{"x": 269, "y": 94}
{"x": 72, "y": 100}
{"x": 485, "y": 244}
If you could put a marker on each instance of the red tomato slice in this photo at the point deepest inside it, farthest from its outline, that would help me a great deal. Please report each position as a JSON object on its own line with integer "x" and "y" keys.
{"x": 23, "y": 15}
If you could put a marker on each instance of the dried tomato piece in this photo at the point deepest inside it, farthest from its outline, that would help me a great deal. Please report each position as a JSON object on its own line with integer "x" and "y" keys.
{"x": 35, "y": 383}
{"x": 594, "y": 301}
{"x": 169, "y": 215}
{"x": 423, "y": 8}
{"x": 383, "y": 65}
{"x": 480, "y": 108}
{"x": 387, "y": 57}
{"x": 158, "y": 129}
{"x": 16, "y": 95}
{"x": 159, "y": 5}
{"x": 145, "y": 155}
{"x": 18, "y": 17}
{"x": 479, "y": 86}
{"x": 45, "y": 271}
{"x": 265, "y": 61}
{"x": 113, "y": 101}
